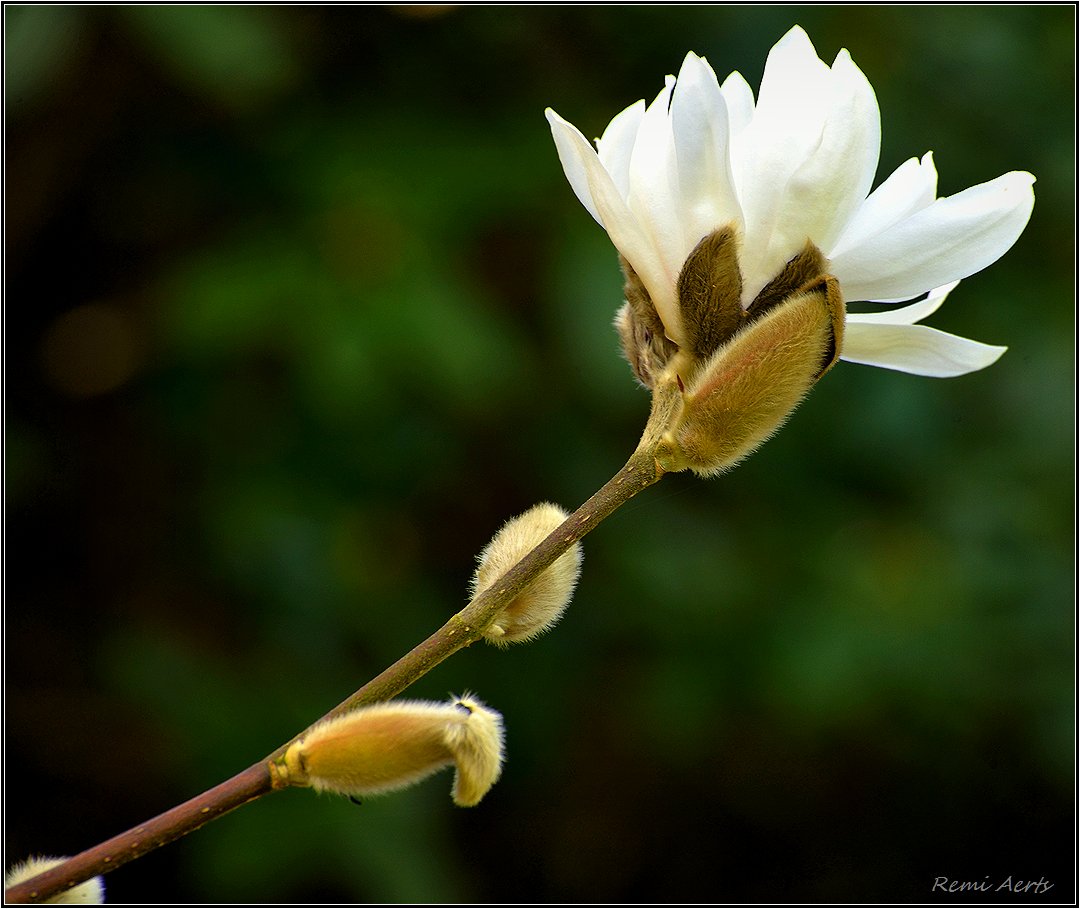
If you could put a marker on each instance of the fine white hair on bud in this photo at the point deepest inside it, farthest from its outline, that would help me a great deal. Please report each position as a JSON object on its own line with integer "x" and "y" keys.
{"x": 89, "y": 892}
{"x": 540, "y": 605}
{"x": 750, "y": 385}
{"x": 385, "y": 747}
{"x": 478, "y": 748}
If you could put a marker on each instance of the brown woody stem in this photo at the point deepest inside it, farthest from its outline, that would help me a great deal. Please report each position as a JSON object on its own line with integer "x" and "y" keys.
{"x": 464, "y": 628}
{"x": 136, "y": 842}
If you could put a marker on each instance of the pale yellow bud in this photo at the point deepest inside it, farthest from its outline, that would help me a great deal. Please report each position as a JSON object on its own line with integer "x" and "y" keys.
{"x": 389, "y": 746}
{"x": 540, "y": 605}
{"x": 747, "y": 388}
{"x": 90, "y": 892}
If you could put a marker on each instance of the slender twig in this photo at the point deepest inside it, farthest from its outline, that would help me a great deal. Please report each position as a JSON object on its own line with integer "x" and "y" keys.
{"x": 463, "y": 629}
{"x": 468, "y": 625}
{"x": 136, "y": 842}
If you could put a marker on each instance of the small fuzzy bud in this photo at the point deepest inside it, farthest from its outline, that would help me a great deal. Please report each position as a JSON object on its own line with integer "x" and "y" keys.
{"x": 542, "y": 603}
{"x": 390, "y": 746}
{"x": 748, "y": 387}
{"x": 89, "y": 892}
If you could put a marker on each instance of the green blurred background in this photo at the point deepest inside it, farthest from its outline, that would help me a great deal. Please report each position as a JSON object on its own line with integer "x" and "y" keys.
{"x": 300, "y": 308}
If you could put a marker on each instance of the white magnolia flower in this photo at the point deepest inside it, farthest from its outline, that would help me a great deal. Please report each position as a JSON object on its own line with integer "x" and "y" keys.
{"x": 796, "y": 165}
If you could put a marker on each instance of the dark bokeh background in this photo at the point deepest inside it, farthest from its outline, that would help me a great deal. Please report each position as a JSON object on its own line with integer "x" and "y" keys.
{"x": 300, "y": 308}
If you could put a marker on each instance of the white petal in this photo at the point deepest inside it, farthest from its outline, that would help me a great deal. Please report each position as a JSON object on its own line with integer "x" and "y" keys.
{"x": 597, "y": 191}
{"x": 916, "y": 349}
{"x": 615, "y": 147}
{"x": 794, "y": 84}
{"x": 574, "y": 161}
{"x": 833, "y": 182}
{"x": 591, "y": 182}
{"x": 739, "y": 98}
{"x": 785, "y": 130}
{"x": 948, "y": 240}
{"x": 654, "y": 200}
{"x": 906, "y": 315}
{"x": 908, "y": 189}
{"x": 739, "y": 101}
{"x": 700, "y": 128}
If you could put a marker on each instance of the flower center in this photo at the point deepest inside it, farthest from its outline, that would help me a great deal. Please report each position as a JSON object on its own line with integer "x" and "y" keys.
{"x": 709, "y": 290}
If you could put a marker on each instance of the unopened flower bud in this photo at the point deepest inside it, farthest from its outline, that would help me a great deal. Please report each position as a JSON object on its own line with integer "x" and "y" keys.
{"x": 390, "y": 746}
{"x": 746, "y": 389}
{"x": 89, "y": 892}
{"x": 539, "y": 606}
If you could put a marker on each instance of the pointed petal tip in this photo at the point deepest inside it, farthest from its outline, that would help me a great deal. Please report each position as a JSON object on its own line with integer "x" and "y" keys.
{"x": 918, "y": 350}
{"x": 794, "y": 45}
{"x": 795, "y": 33}
{"x": 695, "y": 67}
{"x": 989, "y": 354}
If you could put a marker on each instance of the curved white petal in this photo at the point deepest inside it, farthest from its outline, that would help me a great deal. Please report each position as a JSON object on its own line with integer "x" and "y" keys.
{"x": 573, "y": 160}
{"x": 906, "y": 315}
{"x": 739, "y": 103}
{"x": 654, "y": 200}
{"x": 593, "y": 184}
{"x": 916, "y": 349}
{"x": 597, "y": 191}
{"x": 785, "y": 130}
{"x": 833, "y": 182}
{"x": 739, "y": 99}
{"x": 948, "y": 240}
{"x": 615, "y": 147}
{"x": 699, "y": 123}
{"x": 794, "y": 85}
{"x": 908, "y": 189}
